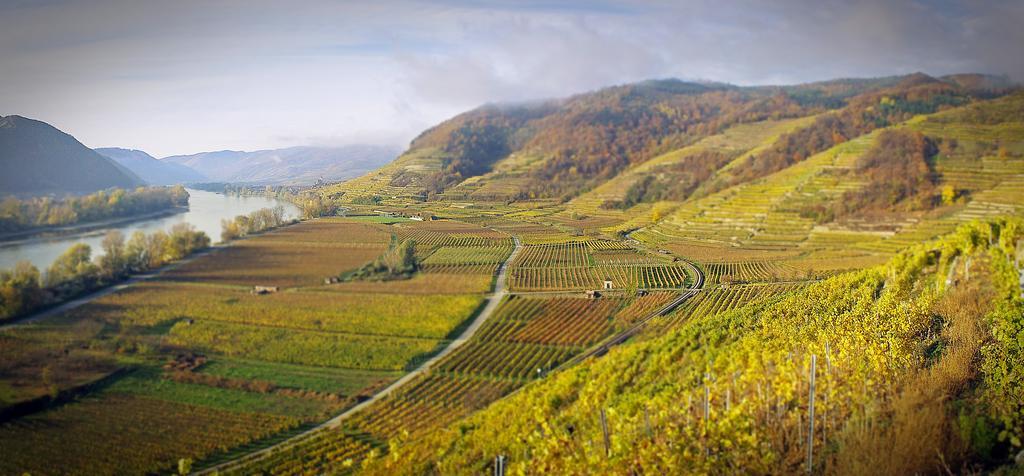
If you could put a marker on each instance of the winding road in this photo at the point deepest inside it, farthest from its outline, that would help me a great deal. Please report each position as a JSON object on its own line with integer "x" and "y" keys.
{"x": 493, "y": 301}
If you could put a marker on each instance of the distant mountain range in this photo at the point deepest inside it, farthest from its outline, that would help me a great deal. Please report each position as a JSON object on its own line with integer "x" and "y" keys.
{"x": 294, "y": 165}
{"x": 37, "y": 158}
{"x": 153, "y": 171}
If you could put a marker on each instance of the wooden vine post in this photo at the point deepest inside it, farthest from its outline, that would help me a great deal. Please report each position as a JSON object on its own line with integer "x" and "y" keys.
{"x": 647, "y": 423}
{"x": 810, "y": 410}
{"x": 707, "y": 413}
{"x": 604, "y": 430}
{"x": 499, "y": 465}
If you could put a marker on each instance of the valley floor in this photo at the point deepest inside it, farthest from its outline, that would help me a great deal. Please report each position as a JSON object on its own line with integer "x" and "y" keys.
{"x": 240, "y": 382}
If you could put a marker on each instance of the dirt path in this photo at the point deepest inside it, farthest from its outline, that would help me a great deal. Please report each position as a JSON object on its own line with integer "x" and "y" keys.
{"x": 494, "y": 300}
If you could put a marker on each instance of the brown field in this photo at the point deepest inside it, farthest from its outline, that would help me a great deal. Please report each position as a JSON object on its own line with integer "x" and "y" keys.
{"x": 31, "y": 369}
{"x": 276, "y": 263}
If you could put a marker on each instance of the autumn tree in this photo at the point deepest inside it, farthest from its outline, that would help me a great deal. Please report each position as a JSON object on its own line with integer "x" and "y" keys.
{"x": 113, "y": 263}
{"x": 72, "y": 268}
{"x": 948, "y": 195}
{"x": 20, "y": 289}
{"x": 183, "y": 240}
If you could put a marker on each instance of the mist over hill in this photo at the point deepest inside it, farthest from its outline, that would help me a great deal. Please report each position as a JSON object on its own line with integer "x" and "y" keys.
{"x": 37, "y": 158}
{"x": 153, "y": 171}
{"x": 293, "y": 165}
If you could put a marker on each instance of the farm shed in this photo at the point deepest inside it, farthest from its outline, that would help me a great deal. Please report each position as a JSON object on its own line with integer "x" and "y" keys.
{"x": 260, "y": 290}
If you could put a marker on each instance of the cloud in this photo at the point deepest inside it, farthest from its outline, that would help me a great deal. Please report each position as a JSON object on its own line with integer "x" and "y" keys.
{"x": 177, "y": 77}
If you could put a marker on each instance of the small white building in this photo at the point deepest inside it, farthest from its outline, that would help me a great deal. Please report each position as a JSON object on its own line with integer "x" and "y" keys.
{"x": 608, "y": 284}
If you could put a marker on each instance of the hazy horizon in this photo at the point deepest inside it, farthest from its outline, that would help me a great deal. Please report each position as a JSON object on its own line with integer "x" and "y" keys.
{"x": 188, "y": 77}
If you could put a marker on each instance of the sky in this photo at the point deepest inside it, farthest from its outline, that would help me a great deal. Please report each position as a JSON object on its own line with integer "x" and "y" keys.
{"x": 180, "y": 77}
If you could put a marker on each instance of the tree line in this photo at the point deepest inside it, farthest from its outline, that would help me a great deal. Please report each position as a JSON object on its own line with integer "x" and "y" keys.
{"x": 26, "y": 214}
{"x": 24, "y": 288}
{"x": 256, "y": 222}
{"x": 398, "y": 262}
{"x": 310, "y": 203}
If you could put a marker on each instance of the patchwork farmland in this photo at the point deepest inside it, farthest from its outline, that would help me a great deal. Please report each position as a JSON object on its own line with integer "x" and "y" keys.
{"x": 230, "y": 367}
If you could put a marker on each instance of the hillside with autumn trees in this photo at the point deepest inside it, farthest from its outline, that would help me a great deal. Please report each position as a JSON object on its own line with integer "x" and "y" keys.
{"x": 558, "y": 149}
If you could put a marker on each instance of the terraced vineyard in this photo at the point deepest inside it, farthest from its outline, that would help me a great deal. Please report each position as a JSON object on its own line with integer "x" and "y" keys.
{"x": 739, "y": 141}
{"x": 750, "y": 271}
{"x": 714, "y": 301}
{"x": 762, "y": 218}
{"x": 755, "y": 240}
{"x": 540, "y": 321}
{"x": 744, "y": 376}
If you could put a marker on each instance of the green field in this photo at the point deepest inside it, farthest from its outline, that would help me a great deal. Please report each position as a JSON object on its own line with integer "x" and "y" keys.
{"x": 320, "y": 379}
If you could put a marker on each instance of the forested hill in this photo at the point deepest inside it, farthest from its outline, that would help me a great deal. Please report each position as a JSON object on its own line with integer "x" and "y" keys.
{"x": 560, "y": 148}
{"x": 36, "y": 158}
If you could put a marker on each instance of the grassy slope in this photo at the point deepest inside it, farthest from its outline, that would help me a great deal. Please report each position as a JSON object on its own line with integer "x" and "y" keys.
{"x": 880, "y": 335}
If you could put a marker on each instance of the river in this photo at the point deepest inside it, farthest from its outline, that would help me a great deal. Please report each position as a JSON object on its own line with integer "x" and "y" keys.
{"x": 205, "y": 211}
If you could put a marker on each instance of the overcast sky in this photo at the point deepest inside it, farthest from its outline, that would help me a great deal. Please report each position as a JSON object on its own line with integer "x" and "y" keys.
{"x": 176, "y": 77}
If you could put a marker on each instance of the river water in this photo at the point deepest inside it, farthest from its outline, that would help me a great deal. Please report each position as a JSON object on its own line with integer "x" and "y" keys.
{"x": 205, "y": 211}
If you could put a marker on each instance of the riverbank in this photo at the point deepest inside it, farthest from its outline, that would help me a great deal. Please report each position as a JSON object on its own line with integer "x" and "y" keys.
{"x": 88, "y": 295}
{"x": 206, "y": 211}
{"x": 25, "y": 237}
